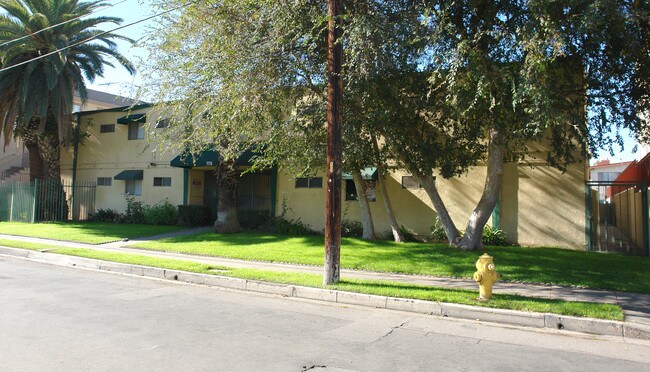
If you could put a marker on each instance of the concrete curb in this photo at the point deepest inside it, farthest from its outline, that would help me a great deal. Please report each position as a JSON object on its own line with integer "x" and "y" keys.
{"x": 509, "y": 317}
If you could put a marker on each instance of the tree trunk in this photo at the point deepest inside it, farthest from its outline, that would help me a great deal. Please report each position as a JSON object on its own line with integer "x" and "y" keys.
{"x": 394, "y": 226}
{"x": 227, "y": 180}
{"x": 474, "y": 231}
{"x": 364, "y": 207}
{"x": 52, "y": 203}
{"x": 30, "y": 140}
{"x": 429, "y": 184}
{"x": 50, "y": 151}
{"x": 381, "y": 180}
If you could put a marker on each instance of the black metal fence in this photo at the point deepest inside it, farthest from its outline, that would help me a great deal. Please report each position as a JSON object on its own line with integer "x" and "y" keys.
{"x": 41, "y": 201}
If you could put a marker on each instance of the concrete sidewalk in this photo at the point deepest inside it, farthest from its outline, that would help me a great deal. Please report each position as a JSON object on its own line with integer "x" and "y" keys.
{"x": 635, "y": 306}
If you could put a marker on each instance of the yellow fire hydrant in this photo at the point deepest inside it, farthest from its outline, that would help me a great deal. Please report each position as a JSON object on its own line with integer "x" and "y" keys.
{"x": 485, "y": 276}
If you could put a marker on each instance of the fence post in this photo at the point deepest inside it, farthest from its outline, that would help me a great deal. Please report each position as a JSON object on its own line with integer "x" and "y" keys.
{"x": 34, "y": 202}
{"x": 588, "y": 216}
{"x": 644, "y": 218}
{"x": 11, "y": 205}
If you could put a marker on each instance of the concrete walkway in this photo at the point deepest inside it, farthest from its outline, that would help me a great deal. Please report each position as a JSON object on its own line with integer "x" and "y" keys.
{"x": 636, "y": 306}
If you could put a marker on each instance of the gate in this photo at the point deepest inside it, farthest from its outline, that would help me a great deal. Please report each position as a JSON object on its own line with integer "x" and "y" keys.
{"x": 40, "y": 201}
{"x": 617, "y": 217}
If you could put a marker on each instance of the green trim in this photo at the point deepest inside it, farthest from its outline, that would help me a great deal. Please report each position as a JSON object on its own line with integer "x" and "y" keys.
{"x": 368, "y": 173}
{"x": 186, "y": 180}
{"x": 274, "y": 189}
{"x": 496, "y": 215}
{"x": 129, "y": 175}
{"x": 208, "y": 158}
{"x": 588, "y": 216}
{"x": 75, "y": 155}
{"x": 644, "y": 217}
{"x": 132, "y": 118}
{"x": 117, "y": 109}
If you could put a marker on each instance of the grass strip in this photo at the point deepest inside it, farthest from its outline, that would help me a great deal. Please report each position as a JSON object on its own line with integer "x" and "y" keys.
{"x": 383, "y": 288}
{"x": 26, "y": 245}
{"x": 516, "y": 264}
{"x": 84, "y": 232}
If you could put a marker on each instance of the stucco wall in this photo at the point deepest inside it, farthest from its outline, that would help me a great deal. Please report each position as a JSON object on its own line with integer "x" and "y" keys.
{"x": 107, "y": 154}
{"x": 540, "y": 206}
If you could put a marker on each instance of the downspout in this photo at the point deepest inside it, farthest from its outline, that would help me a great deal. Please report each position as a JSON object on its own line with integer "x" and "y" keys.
{"x": 274, "y": 189}
{"x": 75, "y": 153}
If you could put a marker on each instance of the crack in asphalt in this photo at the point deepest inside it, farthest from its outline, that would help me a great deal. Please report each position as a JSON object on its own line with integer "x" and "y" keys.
{"x": 391, "y": 331}
{"x": 312, "y": 367}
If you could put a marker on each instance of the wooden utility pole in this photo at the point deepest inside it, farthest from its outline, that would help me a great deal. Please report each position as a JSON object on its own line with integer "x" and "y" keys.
{"x": 334, "y": 145}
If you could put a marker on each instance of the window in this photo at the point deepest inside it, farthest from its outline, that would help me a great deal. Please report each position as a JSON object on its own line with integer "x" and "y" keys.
{"x": 76, "y": 108}
{"x": 608, "y": 176}
{"x": 136, "y": 131}
{"x": 409, "y": 182}
{"x": 162, "y": 181}
{"x": 104, "y": 181}
{"x": 309, "y": 182}
{"x": 352, "y": 194}
{"x": 350, "y": 190}
{"x": 133, "y": 187}
{"x": 107, "y": 128}
{"x": 162, "y": 123}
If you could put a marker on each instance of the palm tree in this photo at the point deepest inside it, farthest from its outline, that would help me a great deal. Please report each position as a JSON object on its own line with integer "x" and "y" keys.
{"x": 36, "y": 95}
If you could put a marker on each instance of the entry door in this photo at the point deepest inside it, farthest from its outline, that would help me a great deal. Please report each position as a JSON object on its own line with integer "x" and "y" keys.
{"x": 211, "y": 193}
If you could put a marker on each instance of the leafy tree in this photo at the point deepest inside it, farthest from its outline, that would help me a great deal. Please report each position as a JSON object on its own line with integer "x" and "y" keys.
{"x": 36, "y": 92}
{"x": 442, "y": 84}
{"x": 224, "y": 72}
{"x": 511, "y": 72}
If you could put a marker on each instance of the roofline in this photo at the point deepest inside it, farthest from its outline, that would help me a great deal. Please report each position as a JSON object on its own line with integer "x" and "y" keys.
{"x": 612, "y": 164}
{"x": 116, "y": 109}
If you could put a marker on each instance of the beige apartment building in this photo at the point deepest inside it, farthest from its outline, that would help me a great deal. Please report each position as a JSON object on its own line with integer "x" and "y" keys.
{"x": 539, "y": 205}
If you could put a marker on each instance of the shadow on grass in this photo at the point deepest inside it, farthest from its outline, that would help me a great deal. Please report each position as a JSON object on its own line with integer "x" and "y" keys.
{"x": 85, "y": 232}
{"x": 531, "y": 265}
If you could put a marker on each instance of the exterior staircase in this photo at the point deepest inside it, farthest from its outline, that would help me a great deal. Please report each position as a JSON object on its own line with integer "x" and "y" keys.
{"x": 15, "y": 174}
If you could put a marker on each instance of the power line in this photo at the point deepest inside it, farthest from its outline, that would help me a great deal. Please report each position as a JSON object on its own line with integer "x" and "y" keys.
{"x": 62, "y": 23}
{"x": 94, "y": 37}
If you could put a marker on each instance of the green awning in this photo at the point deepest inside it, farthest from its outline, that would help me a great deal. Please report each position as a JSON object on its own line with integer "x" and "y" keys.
{"x": 207, "y": 159}
{"x": 132, "y": 118}
{"x": 369, "y": 173}
{"x": 129, "y": 175}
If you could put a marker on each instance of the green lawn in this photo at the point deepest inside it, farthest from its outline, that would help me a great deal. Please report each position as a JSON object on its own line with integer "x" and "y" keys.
{"x": 392, "y": 289}
{"x": 83, "y": 232}
{"x": 531, "y": 265}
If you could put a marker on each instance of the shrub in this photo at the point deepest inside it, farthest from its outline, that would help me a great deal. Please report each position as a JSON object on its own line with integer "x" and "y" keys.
{"x": 438, "y": 233}
{"x": 193, "y": 215}
{"x": 493, "y": 236}
{"x": 280, "y": 225}
{"x": 134, "y": 210}
{"x": 161, "y": 213}
{"x": 408, "y": 234}
{"x": 105, "y": 215}
{"x": 353, "y": 229}
{"x": 253, "y": 219}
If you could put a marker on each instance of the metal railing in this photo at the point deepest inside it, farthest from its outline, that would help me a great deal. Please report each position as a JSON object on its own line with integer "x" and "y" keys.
{"x": 41, "y": 201}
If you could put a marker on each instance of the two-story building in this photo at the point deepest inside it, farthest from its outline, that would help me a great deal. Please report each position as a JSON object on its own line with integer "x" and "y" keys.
{"x": 539, "y": 205}
{"x": 14, "y": 159}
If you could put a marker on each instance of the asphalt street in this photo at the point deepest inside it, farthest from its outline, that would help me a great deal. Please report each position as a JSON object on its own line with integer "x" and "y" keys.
{"x": 65, "y": 319}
